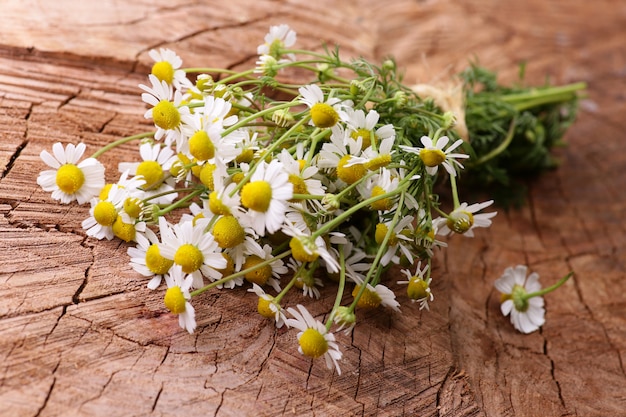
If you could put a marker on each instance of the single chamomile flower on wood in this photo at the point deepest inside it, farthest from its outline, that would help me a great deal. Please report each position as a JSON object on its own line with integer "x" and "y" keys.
{"x": 70, "y": 180}
{"x": 527, "y": 314}
{"x": 433, "y": 154}
{"x": 314, "y": 340}
{"x": 177, "y": 298}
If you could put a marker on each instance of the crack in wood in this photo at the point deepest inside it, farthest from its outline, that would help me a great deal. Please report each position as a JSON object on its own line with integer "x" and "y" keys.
{"x": 13, "y": 158}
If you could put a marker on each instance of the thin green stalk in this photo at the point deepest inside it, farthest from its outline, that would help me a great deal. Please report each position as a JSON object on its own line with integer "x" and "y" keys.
{"x": 122, "y": 141}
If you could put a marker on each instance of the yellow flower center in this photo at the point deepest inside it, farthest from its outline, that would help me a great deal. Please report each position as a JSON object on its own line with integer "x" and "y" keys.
{"x": 206, "y": 175}
{"x": 324, "y": 115}
{"x": 164, "y": 71}
{"x": 201, "y": 146}
{"x": 369, "y": 298}
{"x": 350, "y": 174}
{"x": 382, "y": 204}
{"x": 299, "y": 252}
{"x": 227, "y": 232}
{"x": 178, "y": 167}
{"x": 245, "y": 156}
{"x": 365, "y": 134}
{"x": 174, "y": 300}
{"x": 256, "y": 195}
{"x": 217, "y": 206}
{"x": 381, "y": 232}
{"x": 155, "y": 262}
{"x": 313, "y": 343}
{"x": 230, "y": 265}
{"x": 152, "y": 173}
{"x": 166, "y": 115}
{"x": 301, "y": 164}
{"x": 460, "y": 221}
{"x": 105, "y": 213}
{"x": 104, "y": 192}
{"x": 263, "y": 307}
{"x": 189, "y": 257}
{"x": 133, "y": 206}
{"x": 237, "y": 177}
{"x": 124, "y": 231}
{"x": 299, "y": 186}
{"x": 260, "y": 275}
{"x": 70, "y": 178}
{"x": 432, "y": 157}
{"x": 417, "y": 289}
{"x": 378, "y": 162}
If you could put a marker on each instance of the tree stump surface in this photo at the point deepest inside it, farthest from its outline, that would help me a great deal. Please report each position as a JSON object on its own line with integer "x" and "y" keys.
{"x": 81, "y": 335}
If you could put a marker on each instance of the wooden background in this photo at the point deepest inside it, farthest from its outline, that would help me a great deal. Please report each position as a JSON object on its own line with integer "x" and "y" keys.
{"x": 80, "y": 335}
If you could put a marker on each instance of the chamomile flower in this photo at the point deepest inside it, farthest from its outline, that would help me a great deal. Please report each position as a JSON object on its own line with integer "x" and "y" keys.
{"x": 464, "y": 219}
{"x": 154, "y": 170}
{"x": 195, "y": 250}
{"x": 418, "y": 287}
{"x": 361, "y": 125}
{"x": 342, "y": 154}
{"x": 433, "y": 154}
{"x": 166, "y": 112}
{"x": 103, "y": 213}
{"x": 278, "y": 39}
{"x": 268, "y": 274}
{"x": 399, "y": 239}
{"x": 70, "y": 180}
{"x": 166, "y": 68}
{"x": 527, "y": 314}
{"x": 146, "y": 257}
{"x": 302, "y": 178}
{"x": 305, "y": 280}
{"x": 177, "y": 298}
{"x": 377, "y": 185}
{"x": 375, "y": 296}
{"x": 314, "y": 340}
{"x": 266, "y": 196}
{"x": 306, "y": 248}
{"x": 324, "y": 112}
{"x": 268, "y": 306}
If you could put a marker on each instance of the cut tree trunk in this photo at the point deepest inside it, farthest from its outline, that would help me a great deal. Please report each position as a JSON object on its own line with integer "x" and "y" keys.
{"x": 80, "y": 334}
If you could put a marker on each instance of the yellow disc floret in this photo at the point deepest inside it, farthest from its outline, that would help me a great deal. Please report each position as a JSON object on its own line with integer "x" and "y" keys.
{"x": 324, "y": 115}
{"x": 380, "y": 161}
{"x": 299, "y": 252}
{"x": 189, "y": 257}
{"x": 381, "y": 232}
{"x": 124, "y": 231}
{"x": 365, "y": 135}
{"x": 164, "y": 71}
{"x": 166, "y": 115}
{"x": 313, "y": 343}
{"x": 299, "y": 186}
{"x": 104, "y": 192}
{"x": 264, "y": 309}
{"x": 432, "y": 157}
{"x": 217, "y": 206}
{"x": 369, "y": 298}
{"x": 133, "y": 206}
{"x": 175, "y": 300}
{"x": 228, "y": 233}
{"x": 260, "y": 275}
{"x": 230, "y": 265}
{"x": 152, "y": 173}
{"x": 157, "y": 263}
{"x": 257, "y": 195}
{"x": 105, "y": 213}
{"x": 70, "y": 178}
{"x": 350, "y": 174}
{"x": 460, "y": 221}
{"x": 417, "y": 289}
{"x": 382, "y": 204}
{"x": 201, "y": 146}
{"x": 206, "y": 175}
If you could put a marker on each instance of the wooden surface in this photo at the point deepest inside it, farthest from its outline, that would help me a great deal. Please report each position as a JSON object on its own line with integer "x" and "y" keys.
{"x": 81, "y": 335}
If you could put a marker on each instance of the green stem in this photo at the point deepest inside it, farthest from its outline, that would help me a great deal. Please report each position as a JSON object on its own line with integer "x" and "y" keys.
{"x": 180, "y": 202}
{"x": 544, "y": 92}
{"x": 121, "y": 142}
{"x": 501, "y": 148}
{"x": 549, "y": 289}
{"x": 340, "y": 287}
{"x": 239, "y": 274}
{"x": 455, "y": 192}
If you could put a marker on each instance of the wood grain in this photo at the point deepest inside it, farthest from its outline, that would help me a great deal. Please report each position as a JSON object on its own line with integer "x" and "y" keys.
{"x": 80, "y": 335}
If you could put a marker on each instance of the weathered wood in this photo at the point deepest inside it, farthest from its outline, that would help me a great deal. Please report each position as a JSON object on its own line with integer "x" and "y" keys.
{"x": 81, "y": 335}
